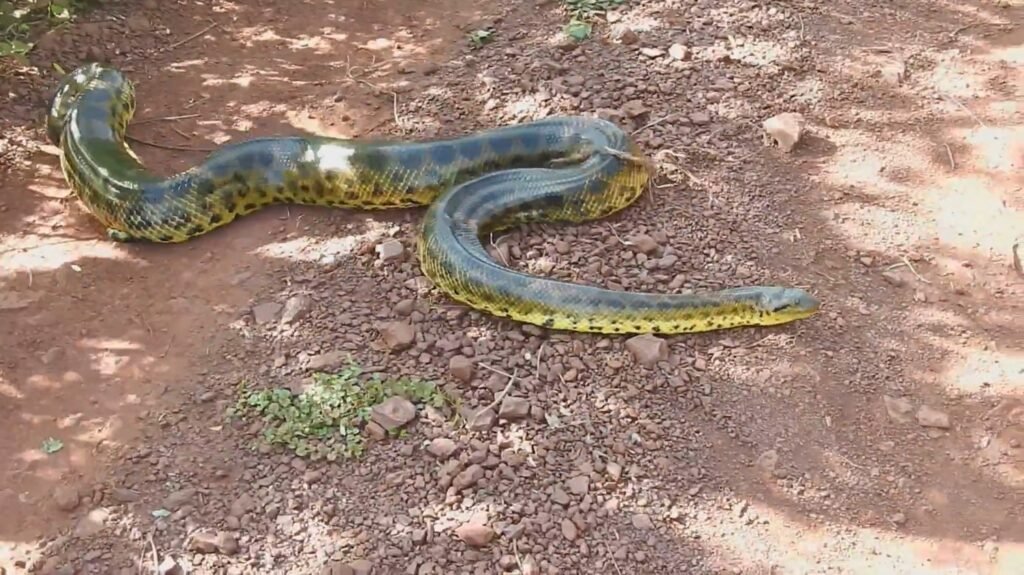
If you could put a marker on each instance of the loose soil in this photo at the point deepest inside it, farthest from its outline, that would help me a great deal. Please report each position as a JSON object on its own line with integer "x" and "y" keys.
{"x": 882, "y": 435}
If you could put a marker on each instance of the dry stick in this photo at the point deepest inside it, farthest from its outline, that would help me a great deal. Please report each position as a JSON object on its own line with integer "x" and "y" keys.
{"x": 653, "y": 123}
{"x": 166, "y": 119}
{"x": 614, "y": 562}
{"x": 968, "y": 110}
{"x": 501, "y": 395}
{"x": 949, "y": 152}
{"x": 156, "y": 556}
{"x": 169, "y": 146}
{"x": 192, "y": 37}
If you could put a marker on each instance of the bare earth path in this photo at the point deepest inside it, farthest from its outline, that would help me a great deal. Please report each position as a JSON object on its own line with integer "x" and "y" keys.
{"x": 883, "y": 435}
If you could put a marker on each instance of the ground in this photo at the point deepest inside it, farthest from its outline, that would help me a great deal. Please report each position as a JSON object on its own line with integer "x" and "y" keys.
{"x": 881, "y": 435}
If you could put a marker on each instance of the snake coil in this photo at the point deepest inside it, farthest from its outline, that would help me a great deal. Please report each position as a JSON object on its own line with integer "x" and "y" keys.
{"x": 473, "y": 185}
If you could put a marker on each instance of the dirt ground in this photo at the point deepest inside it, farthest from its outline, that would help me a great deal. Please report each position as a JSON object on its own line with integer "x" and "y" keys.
{"x": 882, "y": 435}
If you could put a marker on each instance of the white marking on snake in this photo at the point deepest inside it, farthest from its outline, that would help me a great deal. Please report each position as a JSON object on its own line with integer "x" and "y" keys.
{"x": 334, "y": 157}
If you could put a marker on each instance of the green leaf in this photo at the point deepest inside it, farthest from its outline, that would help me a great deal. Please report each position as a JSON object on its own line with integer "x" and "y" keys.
{"x": 52, "y": 445}
{"x": 160, "y": 513}
{"x": 578, "y": 30}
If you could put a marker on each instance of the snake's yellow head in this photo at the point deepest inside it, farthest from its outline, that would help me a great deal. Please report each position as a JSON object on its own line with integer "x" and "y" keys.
{"x": 776, "y": 305}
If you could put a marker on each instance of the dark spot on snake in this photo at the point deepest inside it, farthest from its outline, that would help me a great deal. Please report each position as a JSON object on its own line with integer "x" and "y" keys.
{"x": 471, "y": 149}
{"x": 637, "y": 327}
{"x": 216, "y": 219}
{"x": 249, "y": 207}
{"x": 617, "y": 329}
{"x": 530, "y": 140}
{"x": 443, "y": 154}
{"x": 165, "y": 237}
{"x": 503, "y": 145}
{"x": 656, "y": 329}
{"x": 549, "y": 322}
{"x": 195, "y": 230}
{"x": 230, "y": 206}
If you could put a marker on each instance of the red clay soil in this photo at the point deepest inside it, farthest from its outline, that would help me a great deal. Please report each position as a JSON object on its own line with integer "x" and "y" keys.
{"x": 882, "y": 435}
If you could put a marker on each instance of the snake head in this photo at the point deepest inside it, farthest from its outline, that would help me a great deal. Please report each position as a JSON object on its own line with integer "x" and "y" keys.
{"x": 70, "y": 88}
{"x": 787, "y": 304}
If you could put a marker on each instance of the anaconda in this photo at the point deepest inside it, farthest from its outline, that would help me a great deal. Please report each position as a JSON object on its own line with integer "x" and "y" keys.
{"x": 560, "y": 169}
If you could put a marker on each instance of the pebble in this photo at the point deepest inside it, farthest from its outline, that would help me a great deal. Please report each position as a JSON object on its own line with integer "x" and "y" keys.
{"x": 569, "y": 530}
{"x": 468, "y": 477}
{"x": 642, "y": 521}
{"x": 475, "y": 534}
{"x": 266, "y": 312}
{"x": 296, "y": 308}
{"x": 514, "y": 408}
{"x": 652, "y": 52}
{"x": 579, "y": 485}
{"x": 390, "y": 250}
{"x": 65, "y": 498}
{"x": 393, "y": 413}
{"x": 442, "y": 448}
{"x": 678, "y": 52}
{"x": 785, "y": 129}
{"x": 327, "y": 361}
{"x": 648, "y": 349}
{"x": 398, "y": 335}
{"x": 930, "y": 417}
{"x": 898, "y": 408}
{"x": 461, "y": 368}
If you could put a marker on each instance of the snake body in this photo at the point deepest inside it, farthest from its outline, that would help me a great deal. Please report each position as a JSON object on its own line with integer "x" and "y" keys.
{"x": 474, "y": 184}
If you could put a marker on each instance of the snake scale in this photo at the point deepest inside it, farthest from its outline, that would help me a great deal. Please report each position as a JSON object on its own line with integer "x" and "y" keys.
{"x": 560, "y": 169}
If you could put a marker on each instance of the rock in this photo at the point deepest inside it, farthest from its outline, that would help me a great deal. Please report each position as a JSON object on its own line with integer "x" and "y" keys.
{"x": 327, "y": 360}
{"x": 644, "y": 243}
{"x": 930, "y": 417}
{"x": 634, "y": 108}
{"x": 569, "y": 530}
{"x": 627, "y": 36}
{"x": 176, "y": 500}
{"x": 297, "y": 307}
{"x": 244, "y": 504}
{"x": 768, "y": 460}
{"x": 475, "y": 534}
{"x": 514, "y": 408}
{"x": 170, "y": 566}
{"x": 390, "y": 250}
{"x": 210, "y": 541}
{"x": 336, "y": 568}
{"x": 652, "y": 52}
{"x": 461, "y": 368}
{"x": 266, "y": 312}
{"x": 65, "y": 498}
{"x": 642, "y": 521}
{"x": 614, "y": 470}
{"x": 124, "y": 495}
{"x": 92, "y": 523}
{"x": 393, "y": 413}
{"x": 361, "y": 567}
{"x": 398, "y": 335}
{"x": 678, "y": 52}
{"x": 647, "y": 349}
{"x": 579, "y": 485}
{"x": 785, "y": 129}
{"x": 442, "y": 448}
{"x": 894, "y": 277}
{"x": 899, "y": 409}
{"x": 892, "y": 72}
{"x": 559, "y": 496}
{"x": 482, "y": 420}
{"x": 468, "y": 477}
{"x": 404, "y": 307}
{"x": 700, "y": 118}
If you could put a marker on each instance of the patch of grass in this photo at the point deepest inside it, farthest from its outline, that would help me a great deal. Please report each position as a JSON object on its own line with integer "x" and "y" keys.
{"x": 18, "y": 19}
{"x": 582, "y": 14}
{"x": 478, "y": 38}
{"x": 326, "y": 420}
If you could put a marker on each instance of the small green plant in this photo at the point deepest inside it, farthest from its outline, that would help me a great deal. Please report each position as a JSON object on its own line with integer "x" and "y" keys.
{"x": 326, "y": 420}
{"x": 17, "y": 20}
{"x": 582, "y": 14}
{"x": 478, "y": 38}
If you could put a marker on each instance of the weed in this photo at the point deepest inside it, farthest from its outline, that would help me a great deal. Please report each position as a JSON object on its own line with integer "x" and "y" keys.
{"x": 326, "y": 420}
{"x": 18, "y": 18}
{"x": 478, "y": 38}
{"x": 582, "y": 14}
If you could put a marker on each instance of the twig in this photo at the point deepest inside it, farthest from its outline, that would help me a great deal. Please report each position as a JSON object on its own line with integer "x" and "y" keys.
{"x": 166, "y": 119}
{"x": 169, "y": 146}
{"x": 501, "y": 395}
{"x": 966, "y": 109}
{"x": 192, "y": 37}
{"x": 614, "y": 562}
{"x": 653, "y": 123}
{"x": 167, "y": 348}
{"x": 616, "y": 234}
{"x": 156, "y": 556}
{"x": 949, "y": 152}
{"x": 906, "y": 262}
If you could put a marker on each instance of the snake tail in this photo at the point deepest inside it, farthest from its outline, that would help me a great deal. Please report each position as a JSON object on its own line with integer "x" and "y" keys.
{"x": 560, "y": 169}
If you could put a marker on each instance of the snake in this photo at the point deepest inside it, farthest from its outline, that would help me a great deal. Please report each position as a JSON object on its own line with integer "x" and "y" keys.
{"x": 557, "y": 169}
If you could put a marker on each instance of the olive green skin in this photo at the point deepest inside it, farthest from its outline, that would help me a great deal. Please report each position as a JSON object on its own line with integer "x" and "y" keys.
{"x": 473, "y": 185}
